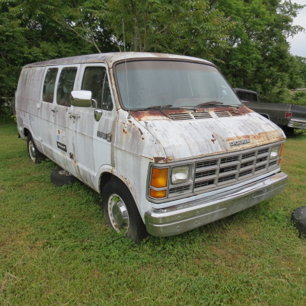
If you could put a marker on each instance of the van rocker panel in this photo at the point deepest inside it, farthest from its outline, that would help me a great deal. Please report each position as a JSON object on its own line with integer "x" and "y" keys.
{"x": 201, "y": 211}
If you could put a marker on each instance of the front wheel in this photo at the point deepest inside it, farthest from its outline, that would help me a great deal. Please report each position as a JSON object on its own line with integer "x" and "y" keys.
{"x": 120, "y": 211}
{"x": 33, "y": 152}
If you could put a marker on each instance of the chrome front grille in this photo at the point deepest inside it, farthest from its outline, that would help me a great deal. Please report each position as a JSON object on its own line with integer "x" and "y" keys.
{"x": 232, "y": 168}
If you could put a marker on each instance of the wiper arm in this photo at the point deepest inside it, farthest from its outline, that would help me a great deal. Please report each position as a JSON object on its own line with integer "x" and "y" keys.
{"x": 209, "y": 103}
{"x": 159, "y": 106}
{"x": 217, "y": 103}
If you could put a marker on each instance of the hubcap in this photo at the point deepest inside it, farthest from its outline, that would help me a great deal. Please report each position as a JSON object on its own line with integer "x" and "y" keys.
{"x": 118, "y": 214}
{"x": 32, "y": 150}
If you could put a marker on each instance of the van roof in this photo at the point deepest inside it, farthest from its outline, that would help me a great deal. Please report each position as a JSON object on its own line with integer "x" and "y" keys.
{"x": 111, "y": 58}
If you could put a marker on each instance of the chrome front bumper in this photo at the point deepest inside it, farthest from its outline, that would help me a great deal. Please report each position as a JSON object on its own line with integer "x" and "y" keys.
{"x": 297, "y": 124}
{"x": 200, "y": 211}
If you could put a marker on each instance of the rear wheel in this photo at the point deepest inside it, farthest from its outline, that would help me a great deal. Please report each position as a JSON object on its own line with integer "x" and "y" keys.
{"x": 120, "y": 211}
{"x": 33, "y": 152}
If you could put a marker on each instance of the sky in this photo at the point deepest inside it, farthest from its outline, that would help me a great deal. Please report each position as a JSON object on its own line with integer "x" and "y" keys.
{"x": 298, "y": 41}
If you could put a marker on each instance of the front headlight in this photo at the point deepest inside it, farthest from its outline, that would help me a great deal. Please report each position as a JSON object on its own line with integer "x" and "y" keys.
{"x": 275, "y": 153}
{"x": 180, "y": 174}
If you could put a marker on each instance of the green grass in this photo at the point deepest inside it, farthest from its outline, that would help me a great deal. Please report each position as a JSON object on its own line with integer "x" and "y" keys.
{"x": 55, "y": 248}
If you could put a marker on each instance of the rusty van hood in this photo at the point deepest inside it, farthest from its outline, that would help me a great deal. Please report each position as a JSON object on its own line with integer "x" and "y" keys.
{"x": 184, "y": 138}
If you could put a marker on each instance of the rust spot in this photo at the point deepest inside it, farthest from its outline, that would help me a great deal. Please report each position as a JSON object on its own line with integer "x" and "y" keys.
{"x": 124, "y": 131}
{"x": 148, "y": 115}
{"x": 242, "y": 110}
{"x": 164, "y": 114}
{"x": 260, "y": 138}
{"x": 162, "y": 160}
{"x": 245, "y": 110}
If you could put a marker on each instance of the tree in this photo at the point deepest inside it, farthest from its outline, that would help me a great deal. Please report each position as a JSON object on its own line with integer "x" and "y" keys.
{"x": 36, "y": 30}
{"x": 259, "y": 56}
{"x": 13, "y": 47}
{"x": 247, "y": 39}
{"x": 184, "y": 27}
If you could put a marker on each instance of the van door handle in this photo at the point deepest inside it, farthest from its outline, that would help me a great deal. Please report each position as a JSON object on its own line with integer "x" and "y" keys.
{"x": 54, "y": 110}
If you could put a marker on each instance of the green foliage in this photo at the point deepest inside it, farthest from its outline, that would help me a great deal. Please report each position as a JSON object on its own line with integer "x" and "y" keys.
{"x": 183, "y": 27}
{"x": 298, "y": 97}
{"x": 32, "y": 31}
{"x": 247, "y": 39}
{"x": 13, "y": 48}
{"x": 259, "y": 58}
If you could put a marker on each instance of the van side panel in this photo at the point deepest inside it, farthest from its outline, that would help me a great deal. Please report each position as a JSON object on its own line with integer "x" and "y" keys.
{"x": 28, "y": 101}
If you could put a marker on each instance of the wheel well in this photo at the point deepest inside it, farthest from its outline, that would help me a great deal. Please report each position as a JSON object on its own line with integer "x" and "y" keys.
{"x": 105, "y": 177}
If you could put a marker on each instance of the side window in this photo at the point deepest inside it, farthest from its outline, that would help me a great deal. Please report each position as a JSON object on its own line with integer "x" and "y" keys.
{"x": 65, "y": 85}
{"x": 49, "y": 84}
{"x": 95, "y": 79}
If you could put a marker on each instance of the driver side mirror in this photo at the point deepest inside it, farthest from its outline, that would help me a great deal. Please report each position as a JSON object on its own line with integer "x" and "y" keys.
{"x": 81, "y": 98}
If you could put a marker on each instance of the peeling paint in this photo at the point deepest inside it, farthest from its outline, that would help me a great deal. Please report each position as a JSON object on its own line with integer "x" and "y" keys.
{"x": 125, "y": 143}
{"x": 162, "y": 160}
{"x": 184, "y": 139}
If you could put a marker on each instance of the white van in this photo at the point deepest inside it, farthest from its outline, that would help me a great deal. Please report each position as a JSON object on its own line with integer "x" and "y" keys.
{"x": 163, "y": 138}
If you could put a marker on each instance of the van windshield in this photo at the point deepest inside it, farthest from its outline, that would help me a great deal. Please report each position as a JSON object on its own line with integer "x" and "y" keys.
{"x": 160, "y": 84}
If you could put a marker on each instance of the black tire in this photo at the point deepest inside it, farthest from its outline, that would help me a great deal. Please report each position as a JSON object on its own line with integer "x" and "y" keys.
{"x": 60, "y": 177}
{"x": 120, "y": 211}
{"x": 33, "y": 152}
{"x": 299, "y": 220}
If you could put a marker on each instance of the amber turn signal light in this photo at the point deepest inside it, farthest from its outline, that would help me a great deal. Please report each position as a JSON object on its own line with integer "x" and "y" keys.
{"x": 159, "y": 177}
{"x": 157, "y": 194}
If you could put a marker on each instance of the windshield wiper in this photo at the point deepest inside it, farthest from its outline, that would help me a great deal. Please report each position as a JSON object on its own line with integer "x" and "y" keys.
{"x": 159, "y": 106}
{"x": 216, "y": 103}
{"x": 210, "y": 103}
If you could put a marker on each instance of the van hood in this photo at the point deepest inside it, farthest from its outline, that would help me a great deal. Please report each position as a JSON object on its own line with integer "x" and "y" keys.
{"x": 193, "y": 138}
